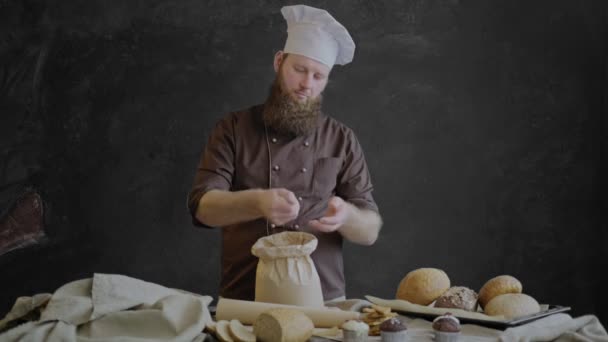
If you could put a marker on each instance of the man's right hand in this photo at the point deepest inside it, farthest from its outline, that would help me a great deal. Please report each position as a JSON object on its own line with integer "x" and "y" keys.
{"x": 279, "y": 206}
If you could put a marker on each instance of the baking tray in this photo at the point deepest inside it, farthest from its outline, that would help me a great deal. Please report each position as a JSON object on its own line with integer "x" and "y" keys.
{"x": 546, "y": 310}
{"x": 551, "y": 309}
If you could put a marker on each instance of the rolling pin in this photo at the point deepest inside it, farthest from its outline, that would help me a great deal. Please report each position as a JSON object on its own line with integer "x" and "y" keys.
{"x": 247, "y": 312}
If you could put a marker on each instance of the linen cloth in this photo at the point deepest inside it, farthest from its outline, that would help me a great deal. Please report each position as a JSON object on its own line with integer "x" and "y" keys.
{"x": 110, "y": 307}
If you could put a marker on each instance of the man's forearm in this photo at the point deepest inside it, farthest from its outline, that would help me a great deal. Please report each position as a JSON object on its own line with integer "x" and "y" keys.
{"x": 362, "y": 226}
{"x": 219, "y": 208}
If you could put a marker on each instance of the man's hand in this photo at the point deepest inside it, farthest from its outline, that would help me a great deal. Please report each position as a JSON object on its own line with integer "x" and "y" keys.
{"x": 219, "y": 208}
{"x": 279, "y": 206}
{"x": 335, "y": 216}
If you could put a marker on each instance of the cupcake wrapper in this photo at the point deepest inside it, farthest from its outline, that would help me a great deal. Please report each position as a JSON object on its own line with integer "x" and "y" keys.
{"x": 397, "y": 336}
{"x": 354, "y": 336}
{"x": 441, "y": 336}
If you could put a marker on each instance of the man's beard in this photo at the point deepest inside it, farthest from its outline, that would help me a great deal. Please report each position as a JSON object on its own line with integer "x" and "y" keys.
{"x": 288, "y": 116}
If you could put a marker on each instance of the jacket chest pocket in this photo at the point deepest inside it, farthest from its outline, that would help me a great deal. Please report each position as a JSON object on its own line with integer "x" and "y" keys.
{"x": 326, "y": 175}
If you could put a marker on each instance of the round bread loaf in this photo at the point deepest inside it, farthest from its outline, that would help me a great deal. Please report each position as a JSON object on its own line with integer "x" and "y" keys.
{"x": 283, "y": 325}
{"x": 422, "y": 286}
{"x": 497, "y": 286}
{"x": 458, "y": 297}
{"x": 512, "y": 305}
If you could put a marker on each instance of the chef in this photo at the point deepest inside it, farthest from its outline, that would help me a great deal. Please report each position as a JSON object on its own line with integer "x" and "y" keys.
{"x": 287, "y": 165}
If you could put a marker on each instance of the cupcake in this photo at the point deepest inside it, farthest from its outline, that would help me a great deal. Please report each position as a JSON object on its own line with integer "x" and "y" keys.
{"x": 393, "y": 330}
{"x": 355, "y": 331}
{"x": 447, "y": 328}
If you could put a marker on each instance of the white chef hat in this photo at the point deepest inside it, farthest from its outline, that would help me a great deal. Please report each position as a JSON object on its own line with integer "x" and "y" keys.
{"x": 314, "y": 33}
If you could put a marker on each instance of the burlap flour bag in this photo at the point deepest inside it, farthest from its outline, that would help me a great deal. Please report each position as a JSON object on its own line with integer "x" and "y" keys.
{"x": 286, "y": 273}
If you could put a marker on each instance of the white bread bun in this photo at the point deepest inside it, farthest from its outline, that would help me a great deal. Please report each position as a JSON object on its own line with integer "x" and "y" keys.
{"x": 283, "y": 325}
{"x": 512, "y": 305}
{"x": 422, "y": 286}
{"x": 497, "y": 286}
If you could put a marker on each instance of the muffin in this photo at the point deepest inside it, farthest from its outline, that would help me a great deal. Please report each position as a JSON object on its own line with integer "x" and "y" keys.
{"x": 447, "y": 328}
{"x": 458, "y": 297}
{"x": 393, "y": 330}
{"x": 355, "y": 331}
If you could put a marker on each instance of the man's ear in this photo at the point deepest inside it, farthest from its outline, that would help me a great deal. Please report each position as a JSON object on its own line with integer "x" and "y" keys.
{"x": 278, "y": 58}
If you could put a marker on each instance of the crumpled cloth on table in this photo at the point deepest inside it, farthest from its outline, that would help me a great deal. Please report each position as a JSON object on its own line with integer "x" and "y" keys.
{"x": 108, "y": 307}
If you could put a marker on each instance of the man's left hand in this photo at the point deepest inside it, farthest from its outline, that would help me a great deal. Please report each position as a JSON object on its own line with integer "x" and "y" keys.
{"x": 335, "y": 217}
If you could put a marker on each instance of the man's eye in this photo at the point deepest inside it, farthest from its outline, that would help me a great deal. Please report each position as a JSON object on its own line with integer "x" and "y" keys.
{"x": 319, "y": 77}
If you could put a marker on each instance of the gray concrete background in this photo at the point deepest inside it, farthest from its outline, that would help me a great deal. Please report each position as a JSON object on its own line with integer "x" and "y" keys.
{"x": 483, "y": 123}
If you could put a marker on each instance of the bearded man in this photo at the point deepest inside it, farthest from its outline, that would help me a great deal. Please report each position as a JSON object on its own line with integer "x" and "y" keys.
{"x": 285, "y": 165}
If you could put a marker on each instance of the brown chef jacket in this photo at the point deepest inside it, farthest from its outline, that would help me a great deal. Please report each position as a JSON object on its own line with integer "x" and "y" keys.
{"x": 327, "y": 162}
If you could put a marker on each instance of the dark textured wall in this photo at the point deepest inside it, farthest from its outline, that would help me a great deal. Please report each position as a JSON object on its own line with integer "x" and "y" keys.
{"x": 483, "y": 124}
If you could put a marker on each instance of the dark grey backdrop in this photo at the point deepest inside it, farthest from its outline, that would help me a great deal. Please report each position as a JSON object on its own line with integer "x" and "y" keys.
{"x": 483, "y": 124}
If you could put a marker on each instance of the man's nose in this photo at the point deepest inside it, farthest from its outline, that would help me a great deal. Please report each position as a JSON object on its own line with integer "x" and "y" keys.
{"x": 306, "y": 82}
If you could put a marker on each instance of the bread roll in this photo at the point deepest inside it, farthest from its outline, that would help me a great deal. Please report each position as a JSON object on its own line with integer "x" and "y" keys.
{"x": 497, "y": 286}
{"x": 512, "y": 305}
{"x": 458, "y": 297}
{"x": 283, "y": 325}
{"x": 423, "y": 286}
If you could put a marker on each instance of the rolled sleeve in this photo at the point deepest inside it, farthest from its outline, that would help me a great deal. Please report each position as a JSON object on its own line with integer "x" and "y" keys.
{"x": 216, "y": 166}
{"x": 354, "y": 181}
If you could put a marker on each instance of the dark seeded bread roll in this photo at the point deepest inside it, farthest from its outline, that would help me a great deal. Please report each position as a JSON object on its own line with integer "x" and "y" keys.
{"x": 458, "y": 297}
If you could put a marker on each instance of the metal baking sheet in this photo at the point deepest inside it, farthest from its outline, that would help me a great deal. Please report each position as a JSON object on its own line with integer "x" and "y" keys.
{"x": 550, "y": 310}
{"x": 414, "y": 310}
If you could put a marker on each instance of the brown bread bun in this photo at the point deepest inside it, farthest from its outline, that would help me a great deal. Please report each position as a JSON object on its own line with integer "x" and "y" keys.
{"x": 497, "y": 286}
{"x": 458, "y": 297}
{"x": 512, "y": 305}
{"x": 422, "y": 286}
